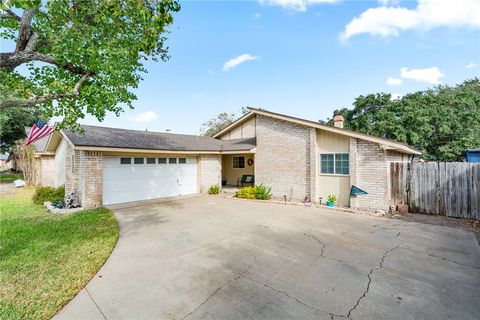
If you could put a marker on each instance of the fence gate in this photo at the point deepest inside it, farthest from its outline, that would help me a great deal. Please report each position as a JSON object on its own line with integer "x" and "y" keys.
{"x": 445, "y": 188}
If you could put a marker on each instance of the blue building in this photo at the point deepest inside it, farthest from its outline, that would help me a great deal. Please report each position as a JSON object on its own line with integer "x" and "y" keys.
{"x": 472, "y": 155}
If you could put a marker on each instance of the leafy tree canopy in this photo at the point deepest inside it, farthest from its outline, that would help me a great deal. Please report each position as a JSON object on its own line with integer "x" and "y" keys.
{"x": 82, "y": 56}
{"x": 12, "y": 126}
{"x": 441, "y": 122}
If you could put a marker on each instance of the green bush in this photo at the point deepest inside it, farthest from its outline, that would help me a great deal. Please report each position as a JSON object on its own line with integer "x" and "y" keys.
{"x": 246, "y": 193}
{"x": 215, "y": 189}
{"x": 260, "y": 192}
{"x": 43, "y": 194}
{"x": 263, "y": 192}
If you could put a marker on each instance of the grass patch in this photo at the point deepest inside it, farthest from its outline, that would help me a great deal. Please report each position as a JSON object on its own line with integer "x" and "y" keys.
{"x": 45, "y": 259}
{"x": 10, "y": 177}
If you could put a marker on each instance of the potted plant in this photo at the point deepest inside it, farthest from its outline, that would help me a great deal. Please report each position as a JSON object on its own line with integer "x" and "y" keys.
{"x": 331, "y": 199}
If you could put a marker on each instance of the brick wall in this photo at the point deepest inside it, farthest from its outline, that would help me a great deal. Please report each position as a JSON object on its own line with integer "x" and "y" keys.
{"x": 47, "y": 171}
{"x": 285, "y": 158}
{"x": 72, "y": 169}
{"x": 84, "y": 176}
{"x": 90, "y": 180}
{"x": 210, "y": 170}
{"x": 370, "y": 171}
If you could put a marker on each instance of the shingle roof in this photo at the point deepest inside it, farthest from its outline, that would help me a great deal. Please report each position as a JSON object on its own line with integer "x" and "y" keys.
{"x": 134, "y": 139}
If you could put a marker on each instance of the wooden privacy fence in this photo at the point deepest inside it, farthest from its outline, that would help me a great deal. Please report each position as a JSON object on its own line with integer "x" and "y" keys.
{"x": 444, "y": 188}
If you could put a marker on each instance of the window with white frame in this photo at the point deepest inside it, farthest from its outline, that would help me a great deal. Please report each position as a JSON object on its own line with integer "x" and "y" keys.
{"x": 239, "y": 162}
{"x": 334, "y": 163}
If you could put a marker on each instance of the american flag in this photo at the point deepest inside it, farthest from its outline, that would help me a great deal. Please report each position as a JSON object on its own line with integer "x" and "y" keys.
{"x": 39, "y": 130}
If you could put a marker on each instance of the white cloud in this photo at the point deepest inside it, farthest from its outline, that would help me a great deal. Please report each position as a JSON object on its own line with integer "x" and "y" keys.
{"x": 391, "y": 81}
{"x": 257, "y": 15}
{"x": 145, "y": 117}
{"x": 429, "y": 75}
{"x": 389, "y": 21}
{"x": 297, "y": 5}
{"x": 471, "y": 65}
{"x": 232, "y": 63}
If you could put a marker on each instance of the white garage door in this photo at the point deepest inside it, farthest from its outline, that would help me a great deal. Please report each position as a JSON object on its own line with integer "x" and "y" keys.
{"x": 127, "y": 179}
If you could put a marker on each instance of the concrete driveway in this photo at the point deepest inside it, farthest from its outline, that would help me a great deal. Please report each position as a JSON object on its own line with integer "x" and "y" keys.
{"x": 216, "y": 258}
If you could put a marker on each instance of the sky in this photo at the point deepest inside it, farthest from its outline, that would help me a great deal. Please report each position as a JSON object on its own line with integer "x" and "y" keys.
{"x": 304, "y": 58}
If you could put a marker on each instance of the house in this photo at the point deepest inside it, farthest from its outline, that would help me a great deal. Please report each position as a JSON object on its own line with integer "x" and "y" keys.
{"x": 4, "y": 159}
{"x": 298, "y": 158}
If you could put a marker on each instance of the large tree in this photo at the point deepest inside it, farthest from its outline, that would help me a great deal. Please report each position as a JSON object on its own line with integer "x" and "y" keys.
{"x": 441, "y": 122}
{"x": 80, "y": 56}
{"x": 12, "y": 126}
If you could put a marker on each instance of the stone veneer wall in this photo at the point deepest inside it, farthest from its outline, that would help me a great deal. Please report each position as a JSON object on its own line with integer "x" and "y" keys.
{"x": 285, "y": 158}
{"x": 370, "y": 171}
{"x": 210, "y": 171}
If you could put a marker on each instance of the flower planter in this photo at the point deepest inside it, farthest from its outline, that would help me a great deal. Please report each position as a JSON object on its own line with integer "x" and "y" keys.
{"x": 330, "y": 204}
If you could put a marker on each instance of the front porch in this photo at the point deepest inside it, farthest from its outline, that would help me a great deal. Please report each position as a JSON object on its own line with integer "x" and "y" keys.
{"x": 234, "y": 166}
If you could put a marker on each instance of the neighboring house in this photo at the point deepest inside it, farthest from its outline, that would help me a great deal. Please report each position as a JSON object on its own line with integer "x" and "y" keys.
{"x": 296, "y": 157}
{"x": 4, "y": 160}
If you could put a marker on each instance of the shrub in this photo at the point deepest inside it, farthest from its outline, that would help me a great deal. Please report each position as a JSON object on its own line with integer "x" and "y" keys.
{"x": 54, "y": 195}
{"x": 263, "y": 192}
{"x": 215, "y": 189}
{"x": 246, "y": 193}
{"x": 260, "y": 192}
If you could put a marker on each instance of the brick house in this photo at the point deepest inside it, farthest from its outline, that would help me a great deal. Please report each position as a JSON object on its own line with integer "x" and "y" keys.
{"x": 298, "y": 158}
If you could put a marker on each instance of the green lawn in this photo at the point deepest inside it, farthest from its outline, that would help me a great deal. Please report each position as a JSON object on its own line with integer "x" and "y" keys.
{"x": 45, "y": 259}
{"x": 9, "y": 177}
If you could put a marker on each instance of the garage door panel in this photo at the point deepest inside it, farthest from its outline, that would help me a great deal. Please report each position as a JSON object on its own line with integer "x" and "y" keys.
{"x": 135, "y": 182}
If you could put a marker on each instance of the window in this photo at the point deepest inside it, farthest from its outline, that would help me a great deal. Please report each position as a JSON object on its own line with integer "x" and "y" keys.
{"x": 238, "y": 162}
{"x": 172, "y": 160}
{"x": 341, "y": 163}
{"x": 182, "y": 160}
{"x": 327, "y": 163}
{"x": 334, "y": 163}
{"x": 125, "y": 160}
{"x": 150, "y": 160}
{"x": 162, "y": 160}
{"x": 138, "y": 160}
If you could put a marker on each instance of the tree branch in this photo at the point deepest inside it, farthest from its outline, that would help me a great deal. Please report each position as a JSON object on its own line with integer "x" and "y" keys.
{"x": 11, "y": 60}
{"x": 25, "y": 30}
{"x": 9, "y": 14}
{"x": 17, "y": 103}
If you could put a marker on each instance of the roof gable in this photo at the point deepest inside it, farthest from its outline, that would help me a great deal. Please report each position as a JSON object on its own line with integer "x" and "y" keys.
{"x": 392, "y": 144}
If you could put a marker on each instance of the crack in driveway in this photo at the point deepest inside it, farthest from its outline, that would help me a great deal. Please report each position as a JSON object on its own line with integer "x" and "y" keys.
{"x": 221, "y": 287}
{"x": 369, "y": 275}
{"x": 380, "y": 265}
